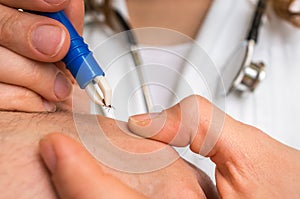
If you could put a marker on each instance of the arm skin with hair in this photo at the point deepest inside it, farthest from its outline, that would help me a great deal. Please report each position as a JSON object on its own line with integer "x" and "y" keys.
{"x": 23, "y": 174}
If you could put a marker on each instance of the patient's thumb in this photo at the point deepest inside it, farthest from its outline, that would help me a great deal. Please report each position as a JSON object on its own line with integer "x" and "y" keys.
{"x": 76, "y": 174}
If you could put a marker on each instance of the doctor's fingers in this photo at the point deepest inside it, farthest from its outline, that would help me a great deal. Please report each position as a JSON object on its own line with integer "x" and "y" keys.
{"x": 245, "y": 157}
{"x": 15, "y": 98}
{"x": 76, "y": 174}
{"x": 201, "y": 125}
{"x": 37, "y": 5}
{"x": 194, "y": 121}
{"x": 45, "y": 79}
{"x": 37, "y": 37}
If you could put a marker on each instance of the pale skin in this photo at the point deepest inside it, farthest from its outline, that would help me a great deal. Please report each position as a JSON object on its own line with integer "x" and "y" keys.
{"x": 243, "y": 163}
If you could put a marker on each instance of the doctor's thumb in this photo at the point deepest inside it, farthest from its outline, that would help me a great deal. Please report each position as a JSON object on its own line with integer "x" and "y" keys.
{"x": 76, "y": 174}
{"x": 249, "y": 163}
{"x": 205, "y": 128}
{"x": 194, "y": 121}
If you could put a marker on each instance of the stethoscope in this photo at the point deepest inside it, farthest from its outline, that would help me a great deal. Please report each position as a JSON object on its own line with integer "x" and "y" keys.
{"x": 133, "y": 46}
{"x": 240, "y": 73}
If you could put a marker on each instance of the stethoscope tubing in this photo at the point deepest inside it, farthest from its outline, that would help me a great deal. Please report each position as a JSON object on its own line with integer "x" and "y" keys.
{"x": 256, "y": 21}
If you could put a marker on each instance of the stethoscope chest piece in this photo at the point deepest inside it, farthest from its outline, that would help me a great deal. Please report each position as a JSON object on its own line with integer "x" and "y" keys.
{"x": 251, "y": 74}
{"x": 240, "y": 72}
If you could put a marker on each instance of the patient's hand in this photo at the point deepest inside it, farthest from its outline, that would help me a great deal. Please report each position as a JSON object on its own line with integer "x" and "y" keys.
{"x": 23, "y": 174}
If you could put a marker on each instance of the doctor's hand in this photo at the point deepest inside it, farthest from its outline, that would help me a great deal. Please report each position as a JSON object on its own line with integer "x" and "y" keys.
{"x": 76, "y": 174}
{"x": 29, "y": 47}
{"x": 249, "y": 163}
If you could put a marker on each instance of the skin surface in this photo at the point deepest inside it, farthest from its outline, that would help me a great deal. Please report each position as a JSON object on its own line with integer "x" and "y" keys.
{"x": 37, "y": 85}
{"x": 23, "y": 174}
{"x": 153, "y": 14}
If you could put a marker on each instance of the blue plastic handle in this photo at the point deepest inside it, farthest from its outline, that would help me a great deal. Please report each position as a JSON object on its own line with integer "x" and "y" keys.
{"x": 79, "y": 59}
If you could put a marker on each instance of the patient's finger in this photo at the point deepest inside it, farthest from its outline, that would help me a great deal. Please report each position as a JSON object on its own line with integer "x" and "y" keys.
{"x": 43, "y": 78}
{"x": 15, "y": 98}
{"x": 76, "y": 174}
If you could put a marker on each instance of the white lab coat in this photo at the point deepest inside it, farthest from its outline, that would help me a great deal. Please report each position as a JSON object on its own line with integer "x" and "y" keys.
{"x": 273, "y": 107}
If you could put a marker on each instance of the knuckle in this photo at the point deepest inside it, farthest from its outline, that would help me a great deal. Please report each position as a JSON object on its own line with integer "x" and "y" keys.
{"x": 34, "y": 74}
{"x": 24, "y": 94}
{"x": 15, "y": 97}
{"x": 26, "y": 100}
{"x": 7, "y": 27}
{"x": 28, "y": 94}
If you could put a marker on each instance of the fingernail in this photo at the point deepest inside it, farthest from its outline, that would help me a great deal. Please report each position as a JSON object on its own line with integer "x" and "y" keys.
{"x": 143, "y": 119}
{"x": 147, "y": 125}
{"x": 49, "y": 106}
{"x": 55, "y": 1}
{"x": 62, "y": 87}
{"x": 295, "y": 6}
{"x": 48, "y": 39}
{"x": 48, "y": 154}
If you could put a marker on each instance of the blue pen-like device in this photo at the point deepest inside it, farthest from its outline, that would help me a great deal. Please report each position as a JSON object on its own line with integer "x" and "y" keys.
{"x": 82, "y": 64}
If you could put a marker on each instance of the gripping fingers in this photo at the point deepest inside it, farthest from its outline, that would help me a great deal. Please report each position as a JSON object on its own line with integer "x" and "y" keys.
{"x": 22, "y": 99}
{"x": 36, "y": 37}
{"x": 42, "y": 78}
